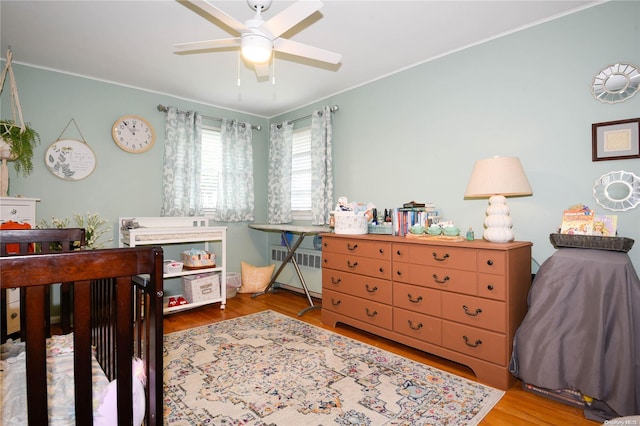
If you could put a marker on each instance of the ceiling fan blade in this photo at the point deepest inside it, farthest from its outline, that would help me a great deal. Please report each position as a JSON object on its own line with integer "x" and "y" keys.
{"x": 299, "y": 49}
{"x": 218, "y": 14}
{"x": 206, "y": 45}
{"x": 262, "y": 70}
{"x": 290, "y": 17}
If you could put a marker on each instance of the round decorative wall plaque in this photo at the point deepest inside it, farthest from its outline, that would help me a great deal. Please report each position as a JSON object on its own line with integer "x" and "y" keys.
{"x": 70, "y": 159}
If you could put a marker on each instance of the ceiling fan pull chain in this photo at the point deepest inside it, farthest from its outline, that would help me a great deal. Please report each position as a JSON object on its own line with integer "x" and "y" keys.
{"x": 239, "y": 59}
{"x": 273, "y": 69}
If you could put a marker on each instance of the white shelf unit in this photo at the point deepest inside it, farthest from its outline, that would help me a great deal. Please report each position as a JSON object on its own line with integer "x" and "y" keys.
{"x": 160, "y": 231}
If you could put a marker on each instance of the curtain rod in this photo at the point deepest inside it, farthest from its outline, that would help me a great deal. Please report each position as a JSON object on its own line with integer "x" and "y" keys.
{"x": 332, "y": 108}
{"x": 163, "y": 108}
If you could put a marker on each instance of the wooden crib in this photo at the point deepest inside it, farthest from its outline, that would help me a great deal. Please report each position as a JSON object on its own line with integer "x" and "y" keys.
{"x": 117, "y": 309}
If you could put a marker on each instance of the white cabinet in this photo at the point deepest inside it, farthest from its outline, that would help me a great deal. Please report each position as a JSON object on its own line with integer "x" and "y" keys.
{"x": 16, "y": 209}
{"x": 162, "y": 231}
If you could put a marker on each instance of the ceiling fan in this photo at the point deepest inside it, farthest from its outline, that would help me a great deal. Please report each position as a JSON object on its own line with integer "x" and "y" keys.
{"x": 259, "y": 38}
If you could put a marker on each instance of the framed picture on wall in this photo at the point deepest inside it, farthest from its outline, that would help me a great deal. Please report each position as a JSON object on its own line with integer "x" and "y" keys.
{"x": 616, "y": 140}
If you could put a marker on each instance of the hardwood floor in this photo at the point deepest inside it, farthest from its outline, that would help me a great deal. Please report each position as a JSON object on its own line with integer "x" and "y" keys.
{"x": 517, "y": 407}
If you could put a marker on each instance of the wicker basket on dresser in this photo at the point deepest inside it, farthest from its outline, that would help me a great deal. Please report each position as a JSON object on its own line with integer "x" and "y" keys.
{"x": 462, "y": 301}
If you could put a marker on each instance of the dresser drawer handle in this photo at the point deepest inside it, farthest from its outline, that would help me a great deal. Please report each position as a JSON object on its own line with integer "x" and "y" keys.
{"x": 490, "y": 287}
{"x": 351, "y": 248}
{"x": 335, "y": 303}
{"x": 490, "y": 262}
{"x": 440, "y": 259}
{"x": 381, "y": 251}
{"x": 473, "y": 345}
{"x": 14, "y": 315}
{"x": 414, "y": 327}
{"x": 412, "y": 300}
{"x": 13, "y": 211}
{"x": 371, "y": 314}
{"x": 351, "y": 265}
{"x": 399, "y": 273}
{"x": 371, "y": 290}
{"x": 381, "y": 270}
{"x": 471, "y": 314}
{"x": 399, "y": 253}
{"x": 336, "y": 281}
{"x": 440, "y": 281}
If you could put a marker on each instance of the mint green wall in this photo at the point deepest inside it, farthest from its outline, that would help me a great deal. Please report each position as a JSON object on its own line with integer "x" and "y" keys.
{"x": 411, "y": 136}
{"x": 415, "y": 135}
{"x": 122, "y": 184}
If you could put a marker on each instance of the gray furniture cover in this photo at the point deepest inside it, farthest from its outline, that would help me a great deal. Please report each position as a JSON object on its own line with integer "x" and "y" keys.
{"x": 582, "y": 330}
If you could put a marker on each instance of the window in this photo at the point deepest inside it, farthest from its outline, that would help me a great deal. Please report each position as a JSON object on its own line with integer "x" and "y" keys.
{"x": 211, "y": 165}
{"x": 301, "y": 173}
{"x": 300, "y": 170}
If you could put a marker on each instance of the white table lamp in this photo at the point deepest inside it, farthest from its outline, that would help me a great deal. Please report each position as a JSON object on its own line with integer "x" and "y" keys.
{"x": 497, "y": 178}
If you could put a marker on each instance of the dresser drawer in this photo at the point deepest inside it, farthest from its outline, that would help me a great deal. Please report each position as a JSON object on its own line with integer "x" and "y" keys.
{"x": 475, "y": 342}
{"x": 475, "y": 311}
{"x": 438, "y": 278}
{"x": 377, "y": 268}
{"x": 372, "y": 249}
{"x": 370, "y": 288}
{"x": 418, "y": 326}
{"x": 416, "y": 298}
{"x": 492, "y": 262}
{"x": 492, "y": 286}
{"x": 18, "y": 211}
{"x": 443, "y": 256}
{"x": 13, "y": 317}
{"x": 374, "y": 313}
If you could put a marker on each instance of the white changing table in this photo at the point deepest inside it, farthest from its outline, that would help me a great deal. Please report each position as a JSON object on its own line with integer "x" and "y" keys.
{"x": 161, "y": 231}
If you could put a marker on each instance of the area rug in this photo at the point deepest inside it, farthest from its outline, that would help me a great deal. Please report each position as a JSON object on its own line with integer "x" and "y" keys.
{"x": 270, "y": 369}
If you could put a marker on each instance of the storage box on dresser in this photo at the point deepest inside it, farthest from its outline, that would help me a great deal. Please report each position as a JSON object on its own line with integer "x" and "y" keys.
{"x": 459, "y": 300}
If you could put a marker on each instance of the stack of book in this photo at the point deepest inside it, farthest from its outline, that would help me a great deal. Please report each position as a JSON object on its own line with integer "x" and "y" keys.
{"x": 413, "y": 213}
{"x": 585, "y": 222}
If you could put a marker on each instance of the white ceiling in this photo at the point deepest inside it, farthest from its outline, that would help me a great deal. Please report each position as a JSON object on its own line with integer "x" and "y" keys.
{"x": 131, "y": 43}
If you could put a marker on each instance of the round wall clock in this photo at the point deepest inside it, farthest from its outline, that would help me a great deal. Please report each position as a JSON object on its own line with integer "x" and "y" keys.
{"x": 133, "y": 134}
{"x": 70, "y": 159}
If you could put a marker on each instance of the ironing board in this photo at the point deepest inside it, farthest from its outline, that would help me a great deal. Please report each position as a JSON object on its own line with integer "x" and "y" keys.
{"x": 301, "y": 231}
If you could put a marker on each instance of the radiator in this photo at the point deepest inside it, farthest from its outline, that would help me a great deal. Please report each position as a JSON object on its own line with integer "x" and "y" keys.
{"x": 310, "y": 262}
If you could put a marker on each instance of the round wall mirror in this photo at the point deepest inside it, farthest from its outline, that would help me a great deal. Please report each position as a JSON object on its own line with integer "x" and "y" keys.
{"x": 616, "y": 83}
{"x": 617, "y": 191}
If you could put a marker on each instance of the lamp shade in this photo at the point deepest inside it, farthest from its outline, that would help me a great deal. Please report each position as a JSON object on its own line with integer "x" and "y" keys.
{"x": 498, "y": 175}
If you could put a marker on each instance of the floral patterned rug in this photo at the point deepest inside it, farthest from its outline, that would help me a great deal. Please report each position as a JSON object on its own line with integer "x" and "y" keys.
{"x": 269, "y": 369}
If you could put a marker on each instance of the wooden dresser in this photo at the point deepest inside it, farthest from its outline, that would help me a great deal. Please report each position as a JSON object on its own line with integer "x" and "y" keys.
{"x": 459, "y": 300}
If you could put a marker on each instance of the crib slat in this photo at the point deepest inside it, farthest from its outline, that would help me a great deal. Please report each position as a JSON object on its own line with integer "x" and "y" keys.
{"x": 36, "y": 357}
{"x": 82, "y": 352}
{"x": 124, "y": 343}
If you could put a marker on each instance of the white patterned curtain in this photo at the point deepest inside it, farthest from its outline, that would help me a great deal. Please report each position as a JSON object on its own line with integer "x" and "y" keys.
{"x": 279, "y": 180}
{"x": 235, "y": 181}
{"x": 321, "y": 166}
{"x": 181, "y": 171}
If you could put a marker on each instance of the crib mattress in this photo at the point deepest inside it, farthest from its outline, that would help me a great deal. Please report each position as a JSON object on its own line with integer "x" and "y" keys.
{"x": 60, "y": 387}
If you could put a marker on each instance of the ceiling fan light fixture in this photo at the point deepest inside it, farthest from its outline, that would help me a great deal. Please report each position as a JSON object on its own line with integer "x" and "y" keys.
{"x": 256, "y": 48}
